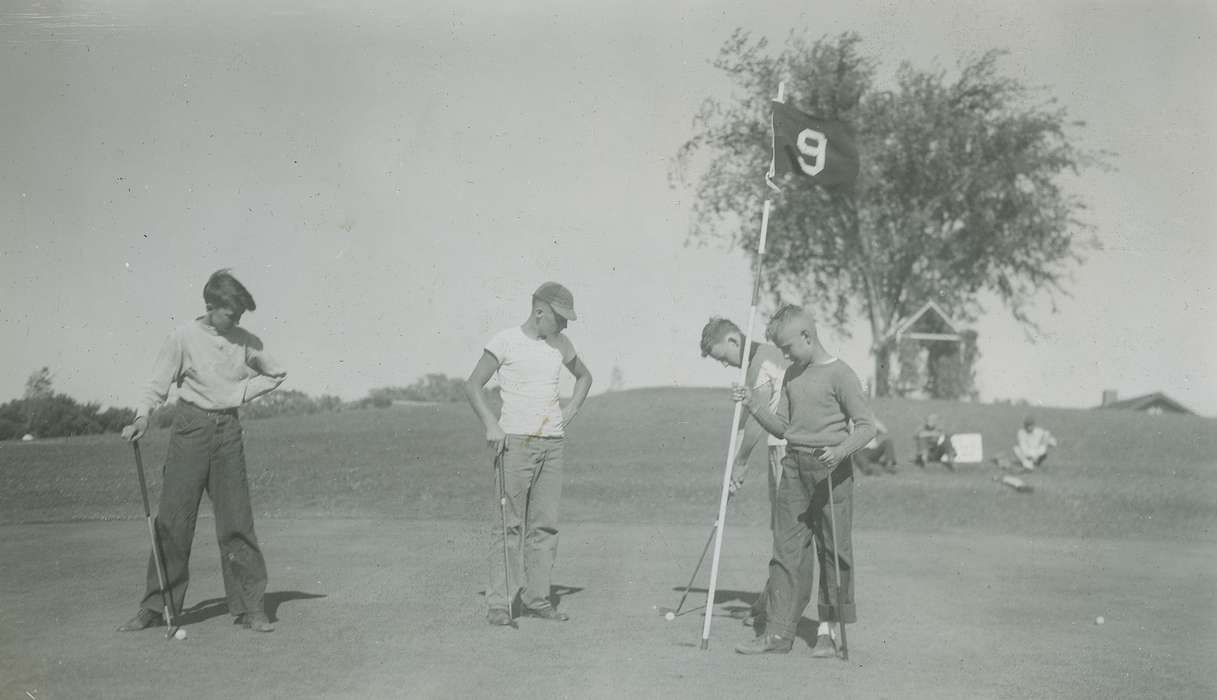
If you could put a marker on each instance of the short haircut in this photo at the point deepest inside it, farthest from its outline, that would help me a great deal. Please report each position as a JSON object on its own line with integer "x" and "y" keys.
{"x": 790, "y": 313}
{"x": 225, "y": 291}
{"x": 716, "y": 329}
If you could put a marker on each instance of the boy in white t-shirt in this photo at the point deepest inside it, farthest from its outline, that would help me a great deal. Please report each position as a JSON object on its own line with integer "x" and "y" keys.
{"x": 529, "y": 438}
{"x": 1032, "y": 444}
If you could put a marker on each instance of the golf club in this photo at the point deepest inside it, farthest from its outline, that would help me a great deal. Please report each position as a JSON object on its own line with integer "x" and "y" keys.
{"x": 836, "y": 557}
{"x": 676, "y": 611}
{"x": 501, "y": 477}
{"x": 166, "y": 599}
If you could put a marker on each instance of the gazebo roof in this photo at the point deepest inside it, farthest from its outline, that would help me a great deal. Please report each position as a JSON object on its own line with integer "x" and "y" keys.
{"x": 928, "y": 323}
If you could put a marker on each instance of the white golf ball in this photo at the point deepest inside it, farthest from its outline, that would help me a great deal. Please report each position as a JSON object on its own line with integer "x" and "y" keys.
{"x": 669, "y": 616}
{"x": 1099, "y": 620}
{"x": 180, "y": 634}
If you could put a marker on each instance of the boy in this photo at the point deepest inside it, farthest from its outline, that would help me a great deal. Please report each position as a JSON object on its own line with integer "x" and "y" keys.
{"x": 821, "y": 395}
{"x": 722, "y": 340}
{"x": 216, "y": 366}
{"x": 933, "y": 444}
{"x": 527, "y": 442}
{"x": 1033, "y": 444}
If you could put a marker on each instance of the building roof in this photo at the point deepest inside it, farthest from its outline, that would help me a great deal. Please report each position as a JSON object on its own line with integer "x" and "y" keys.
{"x": 1141, "y": 403}
{"x": 923, "y": 325}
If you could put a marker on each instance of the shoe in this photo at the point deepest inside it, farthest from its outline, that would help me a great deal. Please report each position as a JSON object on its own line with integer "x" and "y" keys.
{"x": 257, "y": 621}
{"x": 546, "y": 612}
{"x": 143, "y": 619}
{"x": 825, "y": 648}
{"x": 500, "y": 617}
{"x": 766, "y": 644}
{"x": 889, "y": 468}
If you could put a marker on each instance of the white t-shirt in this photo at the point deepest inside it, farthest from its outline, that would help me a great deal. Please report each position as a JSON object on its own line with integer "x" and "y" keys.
{"x": 770, "y": 371}
{"x": 529, "y": 369}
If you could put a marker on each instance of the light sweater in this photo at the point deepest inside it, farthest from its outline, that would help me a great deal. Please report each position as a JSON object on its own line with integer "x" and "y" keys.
{"x": 212, "y": 370}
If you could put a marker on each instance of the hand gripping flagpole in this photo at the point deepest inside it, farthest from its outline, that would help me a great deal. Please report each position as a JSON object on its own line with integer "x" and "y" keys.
{"x": 735, "y": 419}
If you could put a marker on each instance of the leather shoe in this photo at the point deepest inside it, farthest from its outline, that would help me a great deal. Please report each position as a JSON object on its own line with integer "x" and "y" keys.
{"x": 546, "y": 612}
{"x": 256, "y": 621}
{"x": 769, "y": 643}
{"x": 143, "y": 619}
{"x": 825, "y": 648}
{"x": 500, "y": 617}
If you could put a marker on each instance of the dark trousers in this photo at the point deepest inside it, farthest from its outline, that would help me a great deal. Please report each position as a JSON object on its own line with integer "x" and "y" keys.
{"x": 206, "y": 454}
{"x": 803, "y": 529}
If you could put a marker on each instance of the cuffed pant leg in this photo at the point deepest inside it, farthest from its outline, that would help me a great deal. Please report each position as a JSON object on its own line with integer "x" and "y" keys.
{"x": 840, "y": 510}
{"x": 791, "y": 543}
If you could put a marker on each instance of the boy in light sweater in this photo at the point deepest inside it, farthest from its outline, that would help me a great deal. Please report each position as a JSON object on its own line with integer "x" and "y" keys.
{"x": 821, "y": 396}
{"x": 216, "y": 366}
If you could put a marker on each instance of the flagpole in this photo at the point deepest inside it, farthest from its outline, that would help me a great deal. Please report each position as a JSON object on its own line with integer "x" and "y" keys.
{"x": 735, "y": 418}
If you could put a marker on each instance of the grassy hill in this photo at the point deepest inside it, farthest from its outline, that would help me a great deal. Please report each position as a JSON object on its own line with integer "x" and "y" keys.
{"x": 656, "y": 456}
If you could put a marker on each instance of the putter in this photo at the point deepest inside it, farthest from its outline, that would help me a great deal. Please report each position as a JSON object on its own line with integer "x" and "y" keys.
{"x": 676, "y": 612}
{"x": 501, "y": 477}
{"x": 166, "y": 600}
{"x": 836, "y": 557}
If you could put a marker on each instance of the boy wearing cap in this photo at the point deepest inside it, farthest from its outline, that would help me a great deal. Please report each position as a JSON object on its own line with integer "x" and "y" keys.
{"x": 527, "y": 441}
{"x": 216, "y": 366}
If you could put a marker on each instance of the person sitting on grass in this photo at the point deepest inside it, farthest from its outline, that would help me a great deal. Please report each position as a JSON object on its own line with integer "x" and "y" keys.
{"x": 821, "y": 397}
{"x": 879, "y": 453}
{"x": 933, "y": 444}
{"x": 216, "y": 366}
{"x": 527, "y": 442}
{"x": 1033, "y": 444}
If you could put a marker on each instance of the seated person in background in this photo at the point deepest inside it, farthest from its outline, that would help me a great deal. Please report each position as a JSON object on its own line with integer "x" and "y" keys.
{"x": 879, "y": 452}
{"x": 933, "y": 444}
{"x": 1033, "y": 444}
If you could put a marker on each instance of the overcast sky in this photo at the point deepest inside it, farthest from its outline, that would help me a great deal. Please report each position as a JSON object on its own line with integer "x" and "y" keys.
{"x": 391, "y": 180}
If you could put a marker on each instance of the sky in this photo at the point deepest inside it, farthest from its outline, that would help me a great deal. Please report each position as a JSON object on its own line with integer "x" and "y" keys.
{"x": 392, "y": 181}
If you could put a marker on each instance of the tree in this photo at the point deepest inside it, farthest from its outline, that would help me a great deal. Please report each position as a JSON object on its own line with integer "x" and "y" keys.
{"x": 38, "y": 390}
{"x": 960, "y": 190}
{"x": 616, "y": 379}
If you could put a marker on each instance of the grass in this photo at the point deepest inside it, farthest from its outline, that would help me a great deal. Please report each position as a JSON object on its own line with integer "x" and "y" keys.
{"x": 656, "y": 456}
{"x": 374, "y": 527}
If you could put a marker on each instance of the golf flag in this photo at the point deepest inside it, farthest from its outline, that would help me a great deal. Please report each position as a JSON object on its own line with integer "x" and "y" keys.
{"x": 822, "y": 149}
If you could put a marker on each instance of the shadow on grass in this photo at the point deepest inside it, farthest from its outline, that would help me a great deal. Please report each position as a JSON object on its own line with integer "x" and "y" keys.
{"x": 215, "y": 607}
{"x": 556, "y": 593}
{"x": 738, "y": 604}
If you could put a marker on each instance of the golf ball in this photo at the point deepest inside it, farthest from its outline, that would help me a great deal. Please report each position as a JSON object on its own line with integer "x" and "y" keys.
{"x": 180, "y": 634}
{"x": 669, "y": 616}
{"x": 1099, "y": 620}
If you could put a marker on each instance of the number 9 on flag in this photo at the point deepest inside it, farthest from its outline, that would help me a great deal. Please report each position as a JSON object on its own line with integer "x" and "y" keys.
{"x": 821, "y": 149}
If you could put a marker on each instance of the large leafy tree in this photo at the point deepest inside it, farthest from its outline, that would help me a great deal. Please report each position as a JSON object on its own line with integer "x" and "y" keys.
{"x": 960, "y": 190}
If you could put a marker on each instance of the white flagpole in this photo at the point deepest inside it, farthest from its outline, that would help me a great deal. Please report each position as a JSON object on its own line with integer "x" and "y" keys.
{"x": 735, "y": 418}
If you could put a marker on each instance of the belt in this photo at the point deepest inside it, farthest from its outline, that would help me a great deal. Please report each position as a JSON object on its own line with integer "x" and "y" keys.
{"x": 211, "y": 411}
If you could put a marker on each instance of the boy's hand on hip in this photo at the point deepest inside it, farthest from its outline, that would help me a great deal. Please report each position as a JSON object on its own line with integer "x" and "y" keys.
{"x": 495, "y": 438}
{"x": 568, "y": 414}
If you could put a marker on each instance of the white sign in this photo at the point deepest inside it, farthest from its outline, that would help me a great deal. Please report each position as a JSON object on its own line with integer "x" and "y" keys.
{"x": 968, "y": 448}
